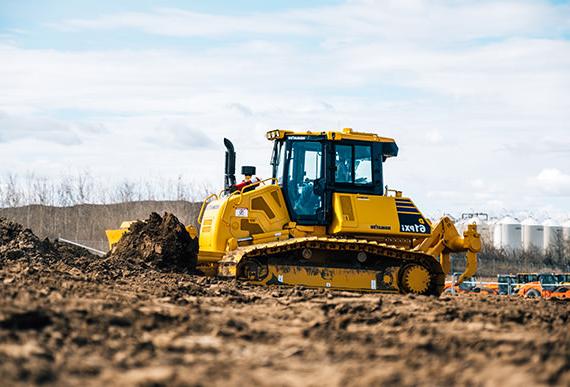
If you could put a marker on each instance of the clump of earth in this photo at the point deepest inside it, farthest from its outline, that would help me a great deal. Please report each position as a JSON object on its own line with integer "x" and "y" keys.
{"x": 159, "y": 242}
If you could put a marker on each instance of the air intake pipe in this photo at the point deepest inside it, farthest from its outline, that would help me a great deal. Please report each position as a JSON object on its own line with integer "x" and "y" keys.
{"x": 230, "y": 168}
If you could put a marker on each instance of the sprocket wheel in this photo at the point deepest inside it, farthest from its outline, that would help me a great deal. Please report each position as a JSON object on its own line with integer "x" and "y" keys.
{"x": 415, "y": 279}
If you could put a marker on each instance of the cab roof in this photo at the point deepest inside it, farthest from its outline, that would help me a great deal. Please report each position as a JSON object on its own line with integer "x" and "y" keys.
{"x": 345, "y": 134}
{"x": 389, "y": 147}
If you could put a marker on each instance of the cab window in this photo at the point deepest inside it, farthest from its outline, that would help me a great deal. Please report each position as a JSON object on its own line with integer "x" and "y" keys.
{"x": 353, "y": 164}
{"x": 344, "y": 164}
{"x": 362, "y": 164}
{"x": 304, "y": 174}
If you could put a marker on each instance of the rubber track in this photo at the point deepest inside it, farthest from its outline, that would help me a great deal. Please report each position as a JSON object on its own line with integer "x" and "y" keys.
{"x": 340, "y": 244}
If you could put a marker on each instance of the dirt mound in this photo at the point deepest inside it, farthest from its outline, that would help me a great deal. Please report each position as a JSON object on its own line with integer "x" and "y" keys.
{"x": 18, "y": 242}
{"x": 160, "y": 243}
{"x": 20, "y": 246}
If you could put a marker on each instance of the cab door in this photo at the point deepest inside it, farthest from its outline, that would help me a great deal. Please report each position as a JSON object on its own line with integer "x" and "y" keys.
{"x": 304, "y": 182}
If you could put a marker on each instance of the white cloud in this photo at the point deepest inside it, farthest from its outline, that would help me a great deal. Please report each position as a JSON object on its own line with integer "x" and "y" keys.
{"x": 552, "y": 181}
{"x": 246, "y": 111}
{"x": 395, "y": 20}
{"x": 177, "y": 133}
{"x": 478, "y": 184}
{"x": 176, "y": 22}
{"x": 13, "y": 128}
{"x": 433, "y": 136}
{"x": 492, "y": 77}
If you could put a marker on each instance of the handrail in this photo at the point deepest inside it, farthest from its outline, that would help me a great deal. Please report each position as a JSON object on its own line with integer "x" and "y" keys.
{"x": 253, "y": 185}
{"x": 397, "y": 194}
{"x": 204, "y": 204}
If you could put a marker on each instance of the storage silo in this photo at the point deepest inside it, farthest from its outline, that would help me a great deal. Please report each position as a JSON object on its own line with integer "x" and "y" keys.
{"x": 566, "y": 230}
{"x": 480, "y": 219}
{"x": 532, "y": 234}
{"x": 507, "y": 234}
{"x": 491, "y": 225}
{"x": 552, "y": 233}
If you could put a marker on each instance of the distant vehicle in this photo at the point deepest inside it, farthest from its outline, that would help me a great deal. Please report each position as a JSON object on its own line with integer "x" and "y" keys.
{"x": 523, "y": 278}
{"x": 561, "y": 293}
{"x": 506, "y": 284}
{"x": 532, "y": 284}
{"x": 547, "y": 287}
{"x": 563, "y": 278}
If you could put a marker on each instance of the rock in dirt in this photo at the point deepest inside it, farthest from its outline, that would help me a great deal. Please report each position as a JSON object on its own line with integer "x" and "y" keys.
{"x": 160, "y": 243}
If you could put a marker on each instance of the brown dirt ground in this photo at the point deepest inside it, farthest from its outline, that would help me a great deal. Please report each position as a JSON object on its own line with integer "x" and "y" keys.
{"x": 64, "y": 323}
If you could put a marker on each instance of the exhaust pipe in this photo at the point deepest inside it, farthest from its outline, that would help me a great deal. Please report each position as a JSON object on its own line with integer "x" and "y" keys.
{"x": 230, "y": 168}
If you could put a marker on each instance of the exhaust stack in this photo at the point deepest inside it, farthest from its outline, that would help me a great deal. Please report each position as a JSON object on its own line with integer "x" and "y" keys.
{"x": 230, "y": 168}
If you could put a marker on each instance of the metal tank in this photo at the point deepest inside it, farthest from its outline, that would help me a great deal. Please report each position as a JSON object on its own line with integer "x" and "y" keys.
{"x": 481, "y": 220}
{"x": 566, "y": 230}
{"x": 507, "y": 234}
{"x": 552, "y": 233}
{"x": 491, "y": 224}
{"x": 532, "y": 234}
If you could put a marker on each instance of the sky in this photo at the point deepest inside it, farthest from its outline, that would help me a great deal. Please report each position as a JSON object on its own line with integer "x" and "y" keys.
{"x": 476, "y": 93}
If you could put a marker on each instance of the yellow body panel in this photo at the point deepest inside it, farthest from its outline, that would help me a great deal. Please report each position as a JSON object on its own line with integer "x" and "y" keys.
{"x": 259, "y": 214}
{"x": 362, "y": 214}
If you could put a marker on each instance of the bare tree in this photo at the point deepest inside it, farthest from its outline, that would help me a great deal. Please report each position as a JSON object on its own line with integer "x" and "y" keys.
{"x": 12, "y": 193}
{"x": 126, "y": 191}
{"x": 180, "y": 189}
{"x": 556, "y": 251}
{"x": 83, "y": 187}
{"x": 65, "y": 192}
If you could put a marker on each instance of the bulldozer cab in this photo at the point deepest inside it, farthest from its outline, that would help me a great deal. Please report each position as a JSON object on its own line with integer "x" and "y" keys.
{"x": 548, "y": 281}
{"x": 310, "y": 167}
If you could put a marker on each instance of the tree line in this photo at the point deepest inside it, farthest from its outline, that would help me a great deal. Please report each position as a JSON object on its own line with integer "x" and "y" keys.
{"x": 82, "y": 188}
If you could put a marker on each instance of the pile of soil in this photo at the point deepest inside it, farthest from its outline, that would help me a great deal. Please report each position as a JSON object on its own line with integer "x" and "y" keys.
{"x": 159, "y": 243}
{"x": 17, "y": 242}
{"x": 21, "y": 244}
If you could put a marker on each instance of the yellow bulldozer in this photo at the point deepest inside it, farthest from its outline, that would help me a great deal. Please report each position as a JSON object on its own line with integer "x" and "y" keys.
{"x": 325, "y": 219}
